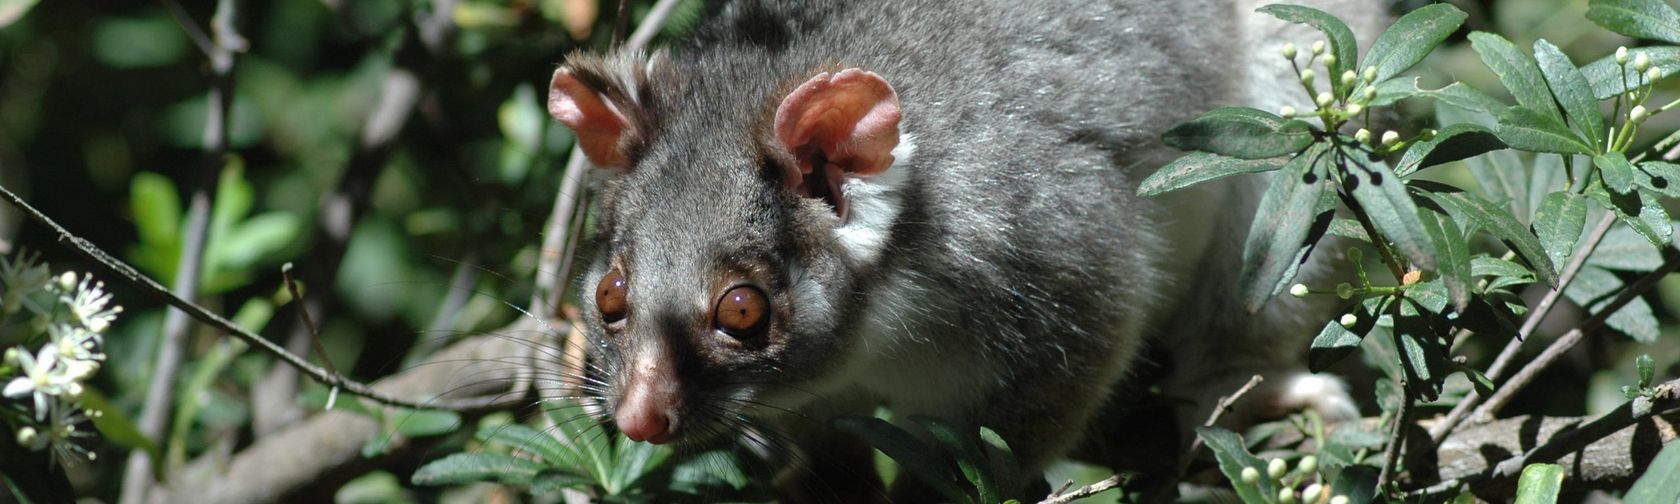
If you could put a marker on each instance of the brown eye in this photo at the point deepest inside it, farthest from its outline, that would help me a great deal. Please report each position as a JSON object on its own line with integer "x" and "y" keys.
{"x": 609, "y": 297}
{"x": 743, "y": 312}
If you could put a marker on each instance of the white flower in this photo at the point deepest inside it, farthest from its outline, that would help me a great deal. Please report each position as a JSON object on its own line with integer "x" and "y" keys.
{"x": 63, "y": 435}
{"x": 1299, "y": 290}
{"x": 88, "y": 302}
{"x": 22, "y": 276}
{"x": 74, "y": 343}
{"x": 1348, "y": 320}
{"x": 42, "y": 378}
{"x": 30, "y": 438}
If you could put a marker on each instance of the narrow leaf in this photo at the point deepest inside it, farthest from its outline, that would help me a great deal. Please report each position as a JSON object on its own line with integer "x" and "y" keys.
{"x": 476, "y": 466}
{"x": 1241, "y": 132}
{"x": 1625, "y": 250}
{"x": 1594, "y": 288}
{"x": 1572, "y": 91}
{"x": 1233, "y": 456}
{"x": 1517, "y": 71}
{"x": 1525, "y": 129}
{"x": 1385, "y": 200}
{"x": 1659, "y": 177}
{"x": 1342, "y": 43}
{"x": 1661, "y": 482}
{"x": 1616, "y": 171}
{"x": 1456, "y": 94}
{"x": 1411, "y": 38}
{"x": 1452, "y": 253}
{"x": 1645, "y": 215}
{"x": 1197, "y": 167}
{"x": 1651, "y": 19}
{"x": 1539, "y": 484}
{"x": 1451, "y": 143}
{"x": 1558, "y": 223}
{"x": 1485, "y": 214}
{"x": 914, "y": 456}
{"x": 1299, "y": 197}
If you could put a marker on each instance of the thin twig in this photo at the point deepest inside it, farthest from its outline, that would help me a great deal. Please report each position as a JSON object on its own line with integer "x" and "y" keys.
{"x": 1220, "y": 407}
{"x": 303, "y": 314}
{"x": 1397, "y": 439}
{"x": 1497, "y": 370}
{"x": 152, "y": 288}
{"x": 1568, "y": 341}
{"x": 199, "y": 38}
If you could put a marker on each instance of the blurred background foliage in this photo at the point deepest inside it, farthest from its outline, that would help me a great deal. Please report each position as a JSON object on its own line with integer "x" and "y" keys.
{"x": 102, "y": 112}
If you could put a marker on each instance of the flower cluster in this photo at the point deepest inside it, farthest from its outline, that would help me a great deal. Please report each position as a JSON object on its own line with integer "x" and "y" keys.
{"x": 63, "y": 318}
{"x": 1349, "y": 97}
{"x": 1278, "y": 471}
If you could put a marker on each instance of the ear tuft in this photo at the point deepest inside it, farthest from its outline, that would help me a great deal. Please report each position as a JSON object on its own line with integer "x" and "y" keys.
{"x": 846, "y": 121}
{"x": 600, "y": 126}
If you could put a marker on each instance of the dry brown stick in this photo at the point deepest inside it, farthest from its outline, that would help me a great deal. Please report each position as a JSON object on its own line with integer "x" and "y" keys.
{"x": 1062, "y": 496}
{"x": 1461, "y": 410}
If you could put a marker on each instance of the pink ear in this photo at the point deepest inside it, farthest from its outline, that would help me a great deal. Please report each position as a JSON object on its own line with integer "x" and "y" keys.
{"x": 849, "y": 118}
{"x": 599, "y": 126}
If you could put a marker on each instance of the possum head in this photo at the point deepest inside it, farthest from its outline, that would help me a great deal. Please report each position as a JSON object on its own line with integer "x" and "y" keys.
{"x": 737, "y": 216}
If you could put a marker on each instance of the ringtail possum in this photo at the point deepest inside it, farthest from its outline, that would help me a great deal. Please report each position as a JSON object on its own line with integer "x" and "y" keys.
{"x": 815, "y": 207}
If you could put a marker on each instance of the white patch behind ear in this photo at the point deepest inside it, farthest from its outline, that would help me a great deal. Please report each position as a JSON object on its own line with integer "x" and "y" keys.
{"x": 874, "y": 204}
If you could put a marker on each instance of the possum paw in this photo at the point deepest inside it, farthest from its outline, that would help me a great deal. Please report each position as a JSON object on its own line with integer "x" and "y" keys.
{"x": 1324, "y": 394}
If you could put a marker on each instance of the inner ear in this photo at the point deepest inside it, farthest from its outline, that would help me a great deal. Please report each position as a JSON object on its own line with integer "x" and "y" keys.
{"x": 837, "y": 125}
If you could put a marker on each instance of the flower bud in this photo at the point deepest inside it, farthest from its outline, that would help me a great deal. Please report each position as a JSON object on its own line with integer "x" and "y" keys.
{"x": 1287, "y": 112}
{"x": 1354, "y": 109}
{"x": 1324, "y": 99}
{"x": 1250, "y": 475}
{"x": 1370, "y": 74}
{"x": 1289, "y": 51}
{"x": 1309, "y": 463}
{"x": 1349, "y": 320}
{"x": 1339, "y": 499}
{"x": 1307, "y": 77}
{"x": 1641, "y": 62}
{"x": 1362, "y": 136}
{"x": 1277, "y": 467}
{"x": 1299, "y": 290}
{"x": 1286, "y": 496}
{"x": 1354, "y": 254}
{"x": 1312, "y": 492}
{"x": 1638, "y": 114}
{"x": 1653, "y": 75}
{"x": 1348, "y": 78}
{"x": 1344, "y": 290}
{"x": 11, "y": 356}
{"x": 1428, "y": 134}
{"x": 67, "y": 281}
{"x": 1318, "y": 47}
{"x": 1621, "y": 55}
{"x": 1390, "y": 137}
{"x": 29, "y": 438}
{"x": 1370, "y": 93}
{"x": 1329, "y": 60}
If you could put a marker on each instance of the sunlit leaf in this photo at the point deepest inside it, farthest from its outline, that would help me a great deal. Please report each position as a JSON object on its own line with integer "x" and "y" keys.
{"x": 1411, "y": 38}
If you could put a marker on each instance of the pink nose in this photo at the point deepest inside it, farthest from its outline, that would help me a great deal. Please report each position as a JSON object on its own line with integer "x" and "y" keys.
{"x": 644, "y": 424}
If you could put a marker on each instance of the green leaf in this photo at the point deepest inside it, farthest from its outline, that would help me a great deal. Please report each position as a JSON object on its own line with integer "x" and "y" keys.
{"x": 1525, "y": 129}
{"x": 1659, "y": 483}
{"x": 1241, "y": 132}
{"x": 1342, "y": 43}
{"x": 157, "y": 209}
{"x": 1651, "y": 19}
{"x": 541, "y": 443}
{"x": 1451, "y": 143}
{"x": 1539, "y": 484}
{"x": 1335, "y": 342}
{"x": 1572, "y": 91}
{"x": 1423, "y": 352}
{"x": 633, "y": 460}
{"x": 550, "y": 482}
{"x": 115, "y": 424}
{"x": 1233, "y": 456}
{"x": 1452, "y": 253}
{"x": 1558, "y": 223}
{"x": 255, "y": 238}
{"x": 1475, "y": 210}
{"x": 1386, "y": 201}
{"x": 1647, "y": 369}
{"x": 476, "y": 466}
{"x": 1298, "y": 202}
{"x": 1411, "y": 38}
{"x": 1659, "y": 177}
{"x": 1594, "y": 288}
{"x": 1625, "y": 250}
{"x": 1645, "y": 215}
{"x": 967, "y": 453}
{"x": 1456, "y": 94}
{"x": 1616, "y": 171}
{"x": 1197, "y": 167}
{"x": 1609, "y": 79}
{"x": 419, "y": 423}
{"x": 1004, "y": 465}
{"x": 1478, "y": 381}
{"x": 912, "y": 455}
{"x": 1517, "y": 71}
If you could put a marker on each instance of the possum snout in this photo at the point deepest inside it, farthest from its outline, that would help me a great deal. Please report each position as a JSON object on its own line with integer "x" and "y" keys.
{"x": 652, "y": 398}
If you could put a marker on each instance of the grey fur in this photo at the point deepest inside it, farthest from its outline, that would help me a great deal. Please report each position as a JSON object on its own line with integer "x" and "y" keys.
{"x": 1022, "y": 274}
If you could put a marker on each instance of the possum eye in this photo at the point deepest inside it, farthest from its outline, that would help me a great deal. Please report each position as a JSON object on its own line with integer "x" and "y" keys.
{"x": 609, "y": 297}
{"x": 742, "y": 312}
